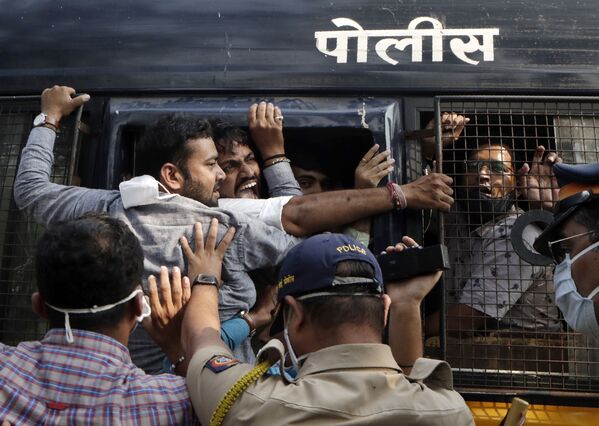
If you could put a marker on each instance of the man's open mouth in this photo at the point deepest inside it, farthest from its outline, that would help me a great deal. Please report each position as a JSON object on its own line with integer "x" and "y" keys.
{"x": 250, "y": 186}
{"x": 485, "y": 191}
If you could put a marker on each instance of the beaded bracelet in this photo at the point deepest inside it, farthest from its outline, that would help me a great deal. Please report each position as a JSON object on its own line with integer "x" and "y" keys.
{"x": 397, "y": 196}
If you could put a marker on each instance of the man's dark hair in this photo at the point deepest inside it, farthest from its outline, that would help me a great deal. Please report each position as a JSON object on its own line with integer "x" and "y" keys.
{"x": 309, "y": 161}
{"x": 226, "y": 135}
{"x": 588, "y": 216}
{"x": 328, "y": 312}
{"x": 165, "y": 142}
{"x": 93, "y": 260}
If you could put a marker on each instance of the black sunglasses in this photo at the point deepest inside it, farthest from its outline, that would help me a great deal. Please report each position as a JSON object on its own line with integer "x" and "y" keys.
{"x": 494, "y": 166}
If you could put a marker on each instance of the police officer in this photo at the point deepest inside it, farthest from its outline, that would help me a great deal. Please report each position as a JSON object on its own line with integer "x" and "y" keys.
{"x": 572, "y": 240}
{"x": 332, "y": 311}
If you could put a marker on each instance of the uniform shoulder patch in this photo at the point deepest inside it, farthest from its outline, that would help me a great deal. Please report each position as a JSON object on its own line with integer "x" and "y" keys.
{"x": 219, "y": 363}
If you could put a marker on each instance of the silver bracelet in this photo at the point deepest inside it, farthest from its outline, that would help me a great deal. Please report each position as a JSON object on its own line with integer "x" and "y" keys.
{"x": 277, "y": 160}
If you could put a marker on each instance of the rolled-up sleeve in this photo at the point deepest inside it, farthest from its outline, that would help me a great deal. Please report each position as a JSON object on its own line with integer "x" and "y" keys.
{"x": 269, "y": 211}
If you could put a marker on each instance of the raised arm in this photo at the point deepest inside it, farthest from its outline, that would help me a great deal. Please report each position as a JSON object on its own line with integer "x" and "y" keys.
{"x": 45, "y": 201}
{"x": 452, "y": 126}
{"x": 371, "y": 169}
{"x": 405, "y": 324}
{"x": 201, "y": 323}
{"x": 168, "y": 301}
{"x": 265, "y": 122}
{"x": 538, "y": 184}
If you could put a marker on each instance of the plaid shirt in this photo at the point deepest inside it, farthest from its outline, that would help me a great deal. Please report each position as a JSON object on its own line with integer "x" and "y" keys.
{"x": 92, "y": 381}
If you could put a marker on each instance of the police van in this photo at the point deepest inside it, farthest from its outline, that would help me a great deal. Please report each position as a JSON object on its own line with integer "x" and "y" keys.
{"x": 347, "y": 74}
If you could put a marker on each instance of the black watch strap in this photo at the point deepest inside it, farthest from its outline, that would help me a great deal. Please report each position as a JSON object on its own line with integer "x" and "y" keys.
{"x": 205, "y": 279}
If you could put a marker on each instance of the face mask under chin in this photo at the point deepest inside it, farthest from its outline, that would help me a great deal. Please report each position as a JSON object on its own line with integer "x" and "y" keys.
{"x": 578, "y": 310}
{"x": 482, "y": 209}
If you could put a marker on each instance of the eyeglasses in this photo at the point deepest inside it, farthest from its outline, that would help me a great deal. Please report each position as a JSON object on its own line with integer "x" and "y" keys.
{"x": 558, "y": 252}
{"x": 494, "y": 166}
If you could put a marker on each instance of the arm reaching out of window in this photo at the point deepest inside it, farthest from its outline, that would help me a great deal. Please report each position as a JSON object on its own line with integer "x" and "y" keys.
{"x": 405, "y": 324}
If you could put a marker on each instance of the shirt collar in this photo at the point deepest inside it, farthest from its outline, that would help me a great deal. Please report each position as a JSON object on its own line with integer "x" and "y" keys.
{"x": 337, "y": 357}
{"x": 100, "y": 344}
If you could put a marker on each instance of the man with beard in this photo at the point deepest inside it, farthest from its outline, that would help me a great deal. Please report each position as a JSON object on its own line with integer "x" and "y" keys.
{"x": 492, "y": 286}
{"x": 243, "y": 178}
{"x": 239, "y": 162}
{"x": 241, "y": 189}
{"x": 179, "y": 156}
{"x": 243, "y": 172}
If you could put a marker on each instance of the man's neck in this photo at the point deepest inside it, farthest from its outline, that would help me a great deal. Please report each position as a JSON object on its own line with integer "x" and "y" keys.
{"x": 343, "y": 335}
{"x": 120, "y": 332}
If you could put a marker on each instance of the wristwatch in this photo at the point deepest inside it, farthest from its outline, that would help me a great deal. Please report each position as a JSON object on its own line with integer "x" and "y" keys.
{"x": 205, "y": 279}
{"x": 42, "y": 120}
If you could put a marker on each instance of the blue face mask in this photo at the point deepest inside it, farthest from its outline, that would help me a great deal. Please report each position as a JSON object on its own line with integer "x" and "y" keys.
{"x": 578, "y": 310}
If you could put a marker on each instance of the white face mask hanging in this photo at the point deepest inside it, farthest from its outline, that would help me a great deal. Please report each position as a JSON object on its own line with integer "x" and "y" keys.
{"x": 578, "y": 311}
{"x": 290, "y": 373}
{"x": 141, "y": 191}
{"x": 292, "y": 356}
{"x": 146, "y": 311}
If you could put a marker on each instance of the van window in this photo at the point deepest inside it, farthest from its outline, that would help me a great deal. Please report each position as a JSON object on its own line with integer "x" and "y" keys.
{"x": 522, "y": 341}
{"x": 17, "y": 233}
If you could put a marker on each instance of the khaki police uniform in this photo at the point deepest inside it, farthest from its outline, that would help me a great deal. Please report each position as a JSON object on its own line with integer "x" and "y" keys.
{"x": 353, "y": 384}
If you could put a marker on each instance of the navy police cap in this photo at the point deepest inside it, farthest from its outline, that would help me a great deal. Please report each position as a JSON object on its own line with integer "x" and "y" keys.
{"x": 579, "y": 185}
{"x": 310, "y": 269}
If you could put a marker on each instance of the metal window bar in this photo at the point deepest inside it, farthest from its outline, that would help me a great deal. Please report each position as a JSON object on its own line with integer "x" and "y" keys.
{"x": 17, "y": 233}
{"x": 501, "y": 328}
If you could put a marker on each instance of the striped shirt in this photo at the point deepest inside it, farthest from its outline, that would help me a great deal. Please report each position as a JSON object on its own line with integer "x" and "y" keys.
{"x": 91, "y": 381}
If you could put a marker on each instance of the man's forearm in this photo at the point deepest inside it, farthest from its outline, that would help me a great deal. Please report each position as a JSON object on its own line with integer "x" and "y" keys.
{"x": 45, "y": 201}
{"x": 460, "y": 318}
{"x": 201, "y": 324}
{"x": 314, "y": 213}
{"x": 280, "y": 180}
{"x": 405, "y": 333}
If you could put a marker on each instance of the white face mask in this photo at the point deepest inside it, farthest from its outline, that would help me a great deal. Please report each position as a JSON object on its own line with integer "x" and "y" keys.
{"x": 146, "y": 311}
{"x": 290, "y": 373}
{"x": 578, "y": 310}
{"x": 292, "y": 356}
{"x": 141, "y": 191}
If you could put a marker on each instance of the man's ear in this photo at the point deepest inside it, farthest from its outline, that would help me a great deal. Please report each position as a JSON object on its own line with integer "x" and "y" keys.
{"x": 39, "y": 306}
{"x": 172, "y": 178}
{"x": 386, "y": 307}
{"x": 138, "y": 304}
{"x": 298, "y": 315}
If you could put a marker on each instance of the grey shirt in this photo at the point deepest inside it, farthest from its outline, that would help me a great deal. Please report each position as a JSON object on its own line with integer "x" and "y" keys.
{"x": 490, "y": 277}
{"x": 158, "y": 225}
